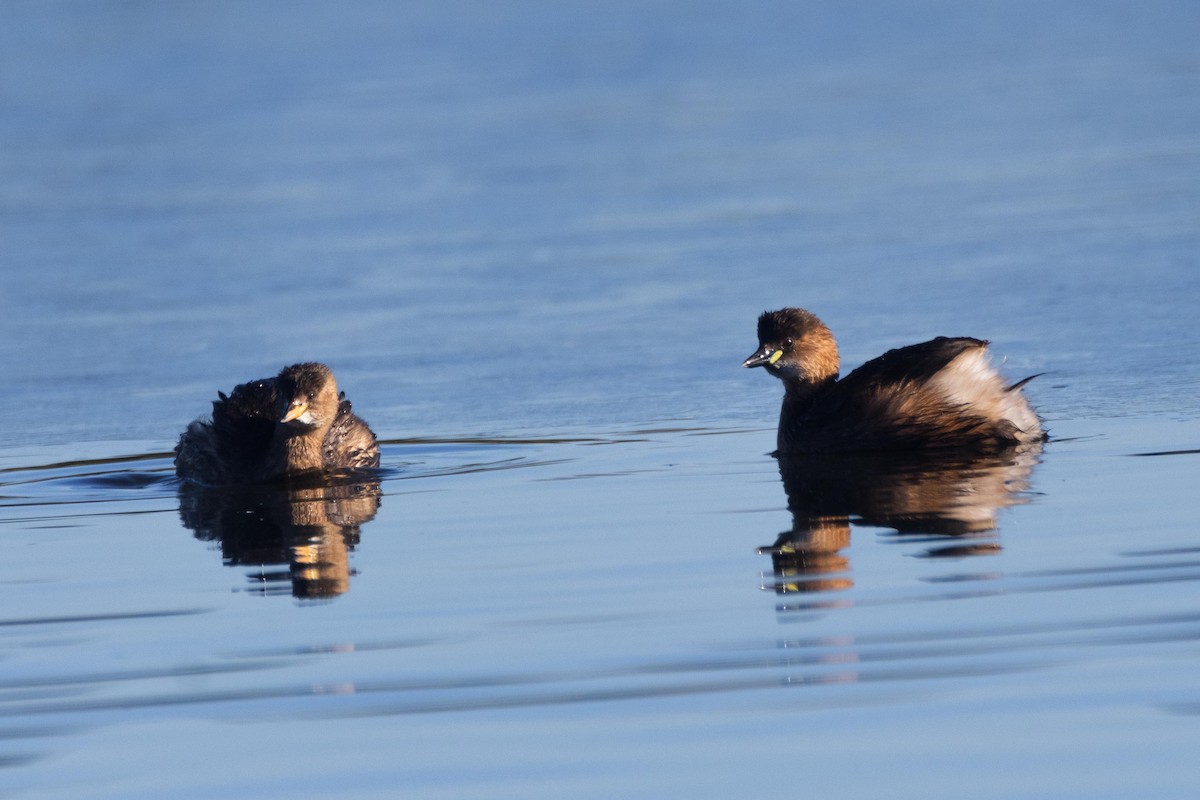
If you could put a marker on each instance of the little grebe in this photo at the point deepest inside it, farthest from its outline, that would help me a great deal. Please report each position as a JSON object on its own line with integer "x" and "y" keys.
{"x": 939, "y": 394}
{"x": 292, "y": 423}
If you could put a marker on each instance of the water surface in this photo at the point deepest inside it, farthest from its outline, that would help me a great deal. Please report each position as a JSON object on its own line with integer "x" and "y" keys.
{"x": 532, "y": 240}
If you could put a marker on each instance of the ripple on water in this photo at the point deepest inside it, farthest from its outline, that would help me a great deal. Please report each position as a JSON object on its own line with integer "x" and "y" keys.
{"x": 295, "y": 539}
{"x": 890, "y": 658}
{"x": 301, "y": 541}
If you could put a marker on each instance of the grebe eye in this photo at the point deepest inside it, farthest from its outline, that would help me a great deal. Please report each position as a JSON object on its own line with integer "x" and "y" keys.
{"x": 787, "y": 343}
{"x": 312, "y": 395}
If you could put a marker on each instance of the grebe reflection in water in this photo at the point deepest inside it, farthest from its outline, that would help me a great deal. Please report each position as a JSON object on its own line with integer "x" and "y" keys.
{"x": 955, "y": 499}
{"x": 309, "y": 527}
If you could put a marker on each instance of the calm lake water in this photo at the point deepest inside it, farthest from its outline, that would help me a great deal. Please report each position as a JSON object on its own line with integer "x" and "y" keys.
{"x": 532, "y": 240}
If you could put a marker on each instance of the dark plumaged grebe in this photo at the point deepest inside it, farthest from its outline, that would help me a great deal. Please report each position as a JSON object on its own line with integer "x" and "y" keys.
{"x": 293, "y": 423}
{"x": 941, "y": 394}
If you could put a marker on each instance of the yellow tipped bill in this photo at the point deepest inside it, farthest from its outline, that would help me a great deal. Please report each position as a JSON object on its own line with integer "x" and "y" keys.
{"x": 295, "y": 410}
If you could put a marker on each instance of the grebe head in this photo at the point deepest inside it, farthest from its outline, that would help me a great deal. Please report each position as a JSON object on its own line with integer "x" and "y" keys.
{"x": 308, "y": 396}
{"x": 795, "y": 346}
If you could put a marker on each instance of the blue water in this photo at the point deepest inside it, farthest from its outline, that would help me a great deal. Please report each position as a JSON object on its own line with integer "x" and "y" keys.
{"x": 532, "y": 239}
